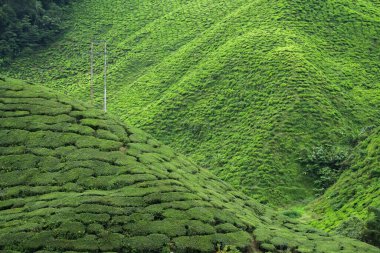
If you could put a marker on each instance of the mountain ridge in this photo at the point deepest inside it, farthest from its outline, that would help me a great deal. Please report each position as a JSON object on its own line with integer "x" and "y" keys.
{"x": 242, "y": 88}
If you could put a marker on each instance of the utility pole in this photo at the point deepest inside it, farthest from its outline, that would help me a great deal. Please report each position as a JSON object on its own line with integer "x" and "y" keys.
{"x": 92, "y": 73}
{"x": 92, "y": 53}
{"x": 105, "y": 76}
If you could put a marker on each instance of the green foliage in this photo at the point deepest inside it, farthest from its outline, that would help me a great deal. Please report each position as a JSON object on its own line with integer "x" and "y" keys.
{"x": 226, "y": 249}
{"x": 352, "y": 227}
{"x": 324, "y": 165}
{"x": 59, "y": 196}
{"x": 241, "y": 87}
{"x": 150, "y": 243}
{"x": 71, "y": 230}
{"x": 348, "y": 206}
{"x": 292, "y": 214}
{"x": 371, "y": 233}
{"x": 26, "y": 25}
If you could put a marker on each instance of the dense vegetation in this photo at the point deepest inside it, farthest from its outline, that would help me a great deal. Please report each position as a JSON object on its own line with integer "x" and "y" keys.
{"x": 324, "y": 165}
{"x": 28, "y": 24}
{"x": 269, "y": 95}
{"x": 242, "y": 87}
{"x": 345, "y": 205}
{"x": 75, "y": 179}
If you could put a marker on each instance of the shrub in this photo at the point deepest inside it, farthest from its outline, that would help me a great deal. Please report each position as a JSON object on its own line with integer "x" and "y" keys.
{"x": 226, "y": 228}
{"x": 169, "y": 228}
{"x": 226, "y": 249}
{"x": 150, "y": 243}
{"x": 371, "y": 233}
{"x": 70, "y": 230}
{"x": 324, "y": 164}
{"x": 88, "y": 218}
{"x": 111, "y": 242}
{"x": 38, "y": 240}
{"x": 352, "y": 227}
{"x": 26, "y": 25}
{"x": 185, "y": 244}
{"x": 292, "y": 214}
{"x": 87, "y": 243}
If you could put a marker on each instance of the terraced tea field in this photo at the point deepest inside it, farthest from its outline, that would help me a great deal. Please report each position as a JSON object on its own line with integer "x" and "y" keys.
{"x": 244, "y": 88}
{"x": 75, "y": 179}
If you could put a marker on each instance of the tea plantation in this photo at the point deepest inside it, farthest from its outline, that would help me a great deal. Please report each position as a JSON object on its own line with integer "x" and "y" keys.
{"x": 248, "y": 89}
{"x": 74, "y": 179}
{"x": 344, "y": 207}
{"x": 241, "y": 87}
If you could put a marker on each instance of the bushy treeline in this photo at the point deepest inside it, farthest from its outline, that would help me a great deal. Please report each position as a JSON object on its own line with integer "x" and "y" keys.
{"x": 324, "y": 164}
{"x": 26, "y": 24}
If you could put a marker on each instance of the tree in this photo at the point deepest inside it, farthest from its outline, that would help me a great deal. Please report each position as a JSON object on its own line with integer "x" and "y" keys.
{"x": 27, "y": 24}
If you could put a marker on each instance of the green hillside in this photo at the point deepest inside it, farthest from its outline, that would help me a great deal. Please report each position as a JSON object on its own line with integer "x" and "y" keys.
{"x": 74, "y": 179}
{"x": 241, "y": 87}
{"x": 344, "y": 207}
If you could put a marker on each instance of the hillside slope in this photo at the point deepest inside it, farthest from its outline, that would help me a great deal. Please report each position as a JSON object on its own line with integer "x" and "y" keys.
{"x": 241, "y": 87}
{"x": 75, "y": 179}
{"x": 344, "y": 207}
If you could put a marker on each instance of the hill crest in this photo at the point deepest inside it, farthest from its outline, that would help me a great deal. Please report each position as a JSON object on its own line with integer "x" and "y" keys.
{"x": 75, "y": 179}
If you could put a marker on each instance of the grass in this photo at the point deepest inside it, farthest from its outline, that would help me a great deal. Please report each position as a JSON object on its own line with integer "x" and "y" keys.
{"x": 59, "y": 196}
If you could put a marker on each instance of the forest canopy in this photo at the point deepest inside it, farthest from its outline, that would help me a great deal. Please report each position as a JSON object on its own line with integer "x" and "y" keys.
{"x": 27, "y": 24}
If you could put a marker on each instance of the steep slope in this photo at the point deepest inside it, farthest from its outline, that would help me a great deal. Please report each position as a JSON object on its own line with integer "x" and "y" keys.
{"x": 344, "y": 207}
{"x": 241, "y": 87}
{"x": 75, "y": 179}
